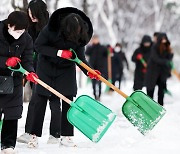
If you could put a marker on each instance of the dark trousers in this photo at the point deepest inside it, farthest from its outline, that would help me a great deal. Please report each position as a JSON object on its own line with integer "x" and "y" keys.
{"x": 96, "y": 88}
{"x": 9, "y": 134}
{"x": 59, "y": 124}
{"x": 161, "y": 87}
{"x": 119, "y": 78}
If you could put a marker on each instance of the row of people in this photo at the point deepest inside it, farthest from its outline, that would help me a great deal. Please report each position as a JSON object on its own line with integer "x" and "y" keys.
{"x": 153, "y": 65}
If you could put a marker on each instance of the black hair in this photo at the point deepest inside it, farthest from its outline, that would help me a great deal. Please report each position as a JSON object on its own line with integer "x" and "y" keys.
{"x": 118, "y": 44}
{"x": 156, "y": 34}
{"x": 75, "y": 29}
{"x": 18, "y": 19}
{"x": 39, "y": 10}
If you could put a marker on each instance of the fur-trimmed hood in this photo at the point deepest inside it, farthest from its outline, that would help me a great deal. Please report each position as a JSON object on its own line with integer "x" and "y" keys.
{"x": 161, "y": 36}
{"x": 59, "y": 14}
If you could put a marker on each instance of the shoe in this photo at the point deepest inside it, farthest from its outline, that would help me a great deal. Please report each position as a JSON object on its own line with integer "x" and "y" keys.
{"x": 97, "y": 98}
{"x": 24, "y": 138}
{"x": 33, "y": 143}
{"x": 8, "y": 151}
{"x": 67, "y": 141}
{"x": 52, "y": 140}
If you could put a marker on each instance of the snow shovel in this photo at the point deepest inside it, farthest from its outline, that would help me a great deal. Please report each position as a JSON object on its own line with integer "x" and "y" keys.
{"x": 86, "y": 114}
{"x": 143, "y": 112}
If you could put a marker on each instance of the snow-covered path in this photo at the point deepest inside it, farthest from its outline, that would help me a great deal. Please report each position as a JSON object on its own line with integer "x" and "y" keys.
{"x": 121, "y": 137}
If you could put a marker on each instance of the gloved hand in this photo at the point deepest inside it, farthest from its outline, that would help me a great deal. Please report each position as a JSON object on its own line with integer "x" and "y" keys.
{"x": 64, "y": 54}
{"x": 31, "y": 76}
{"x": 139, "y": 56}
{"x": 94, "y": 76}
{"x": 12, "y": 62}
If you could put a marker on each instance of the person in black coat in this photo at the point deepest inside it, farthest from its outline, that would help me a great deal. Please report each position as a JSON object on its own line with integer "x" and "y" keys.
{"x": 97, "y": 54}
{"x": 67, "y": 28}
{"x": 16, "y": 46}
{"x": 143, "y": 51}
{"x": 159, "y": 67}
{"x": 39, "y": 16}
{"x": 118, "y": 60}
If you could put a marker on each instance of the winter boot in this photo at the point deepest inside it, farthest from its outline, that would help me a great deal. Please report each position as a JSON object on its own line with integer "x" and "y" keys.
{"x": 24, "y": 138}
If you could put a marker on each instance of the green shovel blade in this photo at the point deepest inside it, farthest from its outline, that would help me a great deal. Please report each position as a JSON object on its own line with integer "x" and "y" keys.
{"x": 91, "y": 117}
{"x": 143, "y": 112}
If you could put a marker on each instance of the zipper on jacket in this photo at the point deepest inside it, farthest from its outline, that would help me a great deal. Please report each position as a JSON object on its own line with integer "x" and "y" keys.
{"x": 17, "y": 48}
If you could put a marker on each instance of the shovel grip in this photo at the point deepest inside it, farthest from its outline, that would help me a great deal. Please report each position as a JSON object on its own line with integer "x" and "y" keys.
{"x": 104, "y": 80}
{"x": 143, "y": 62}
{"x": 55, "y": 92}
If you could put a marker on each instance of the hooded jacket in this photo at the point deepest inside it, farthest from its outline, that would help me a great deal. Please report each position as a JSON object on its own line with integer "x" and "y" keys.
{"x": 145, "y": 51}
{"x": 159, "y": 64}
{"x": 59, "y": 73}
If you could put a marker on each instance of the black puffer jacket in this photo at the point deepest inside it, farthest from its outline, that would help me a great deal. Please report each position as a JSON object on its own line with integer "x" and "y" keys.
{"x": 55, "y": 71}
{"x": 22, "y": 48}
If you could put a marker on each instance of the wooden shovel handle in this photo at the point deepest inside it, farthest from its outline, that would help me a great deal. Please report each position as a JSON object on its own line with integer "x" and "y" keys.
{"x": 55, "y": 92}
{"x": 109, "y": 66}
{"x": 103, "y": 80}
{"x": 175, "y": 73}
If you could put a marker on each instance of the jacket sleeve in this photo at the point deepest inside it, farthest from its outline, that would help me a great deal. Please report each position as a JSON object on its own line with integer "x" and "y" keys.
{"x": 27, "y": 55}
{"x": 3, "y": 62}
{"x": 134, "y": 59}
{"x": 42, "y": 44}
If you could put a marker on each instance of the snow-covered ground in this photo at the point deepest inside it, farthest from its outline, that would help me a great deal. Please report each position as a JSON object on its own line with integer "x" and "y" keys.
{"x": 121, "y": 137}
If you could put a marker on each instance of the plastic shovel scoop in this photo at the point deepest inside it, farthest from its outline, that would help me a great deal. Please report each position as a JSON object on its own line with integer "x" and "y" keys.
{"x": 143, "y": 112}
{"x": 86, "y": 114}
{"x": 90, "y": 117}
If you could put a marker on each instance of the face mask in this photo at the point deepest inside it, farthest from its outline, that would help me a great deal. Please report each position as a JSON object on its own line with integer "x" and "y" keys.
{"x": 15, "y": 34}
{"x": 117, "y": 49}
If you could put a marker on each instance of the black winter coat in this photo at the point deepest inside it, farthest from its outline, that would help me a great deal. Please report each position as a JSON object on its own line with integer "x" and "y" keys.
{"x": 22, "y": 48}
{"x": 118, "y": 60}
{"x": 57, "y": 72}
{"x": 98, "y": 57}
{"x": 158, "y": 67}
{"x": 140, "y": 70}
{"x": 139, "y": 74}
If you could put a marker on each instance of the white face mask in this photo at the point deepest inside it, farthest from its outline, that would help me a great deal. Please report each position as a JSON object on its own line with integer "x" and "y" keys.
{"x": 15, "y": 33}
{"x": 117, "y": 49}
